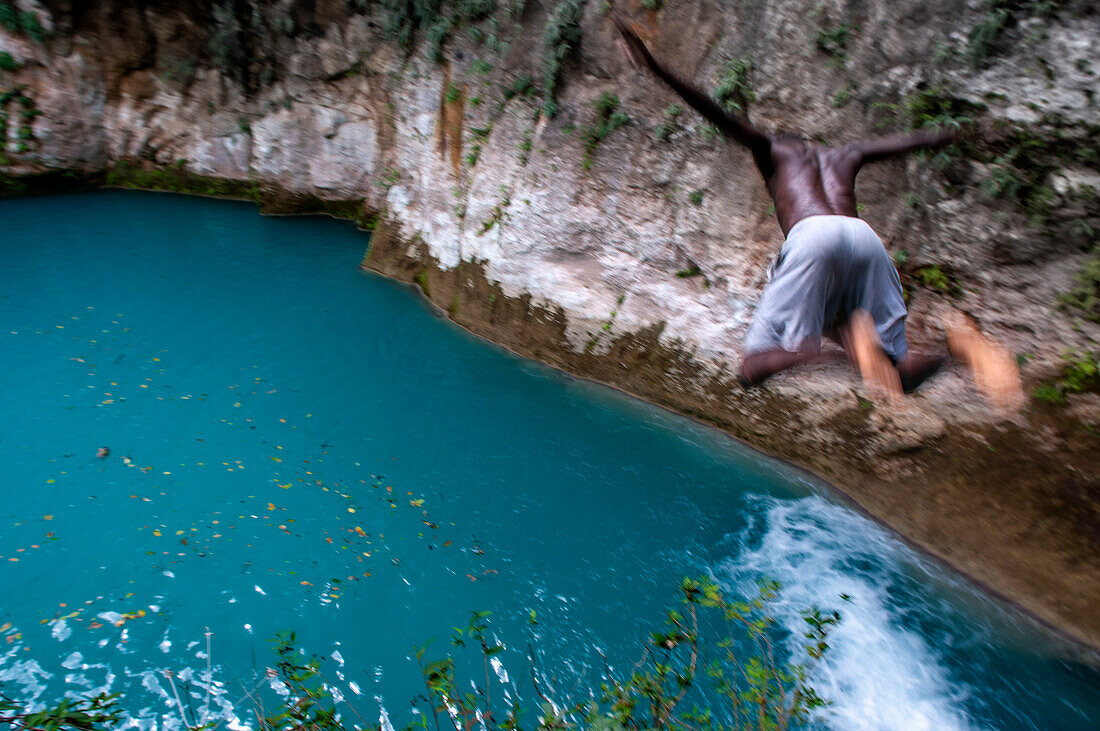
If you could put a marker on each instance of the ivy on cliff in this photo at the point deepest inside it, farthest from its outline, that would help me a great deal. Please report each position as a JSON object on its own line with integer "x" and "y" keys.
{"x": 561, "y": 37}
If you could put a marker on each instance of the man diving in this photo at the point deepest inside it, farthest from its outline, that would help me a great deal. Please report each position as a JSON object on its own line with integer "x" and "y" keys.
{"x": 833, "y": 276}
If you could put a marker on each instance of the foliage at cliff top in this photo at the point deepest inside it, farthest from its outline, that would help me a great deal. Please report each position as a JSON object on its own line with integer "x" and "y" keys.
{"x": 752, "y": 683}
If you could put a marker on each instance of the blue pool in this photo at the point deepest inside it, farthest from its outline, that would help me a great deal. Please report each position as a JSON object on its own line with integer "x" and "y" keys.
{"x": 297, "y": 444}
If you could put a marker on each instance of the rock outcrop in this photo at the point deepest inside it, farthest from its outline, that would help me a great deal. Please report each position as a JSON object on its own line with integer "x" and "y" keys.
{"x": 550, "y": 198}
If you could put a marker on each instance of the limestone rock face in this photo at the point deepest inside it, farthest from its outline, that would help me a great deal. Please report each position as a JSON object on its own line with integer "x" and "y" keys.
{"x": 636, "y": 254}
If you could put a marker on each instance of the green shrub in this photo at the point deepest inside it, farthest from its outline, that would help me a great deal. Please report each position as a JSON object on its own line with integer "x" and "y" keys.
{"x": 7, "y": 63}
{"x": 1080, "y": 374}
{"x": 984, "y": 38}
{"x": 669, "y": 125}
{"x": 561, "y": 36}
{"x": 1085, "y": 297}
{"x": 834, "y": 42}
{"x": 733, "y": 90}
{"x": 723, "y": 650}
{"x": 608, "y": 119}
{"x": 937, "y": 106}
{"x": 933, "y": 277}
{"x": 21, "y": 22}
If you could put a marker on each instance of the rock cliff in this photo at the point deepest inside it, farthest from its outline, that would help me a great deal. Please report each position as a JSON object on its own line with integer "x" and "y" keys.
{"x": 549, "y": 197}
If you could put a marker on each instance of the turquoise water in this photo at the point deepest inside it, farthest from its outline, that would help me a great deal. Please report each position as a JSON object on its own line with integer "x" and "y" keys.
{"x": 296, "y": 444}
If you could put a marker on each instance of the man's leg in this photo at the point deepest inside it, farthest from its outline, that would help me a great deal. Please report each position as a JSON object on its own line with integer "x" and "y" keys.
{"x": 916, "y": 369}
{"x": 786, "y": 328}
{"x": 872, "y": 285}
{"x": 862, "y": 343}
{"x": 756, "y": 367}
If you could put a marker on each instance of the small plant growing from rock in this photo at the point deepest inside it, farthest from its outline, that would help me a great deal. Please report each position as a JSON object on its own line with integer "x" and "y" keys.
{"x": 1085, "y": 297}
{"x": 499, "y": 213}
{"x": 834, "y": 43}
{"x": 669, "y": 123}
{"x": 733, "y": 90}
{"x": 933, "y": 277}
{"x": 389, "y": 179}
{"x": 561, "y": 37}
{"x": 1080, "y": 373}
{"x": 608, "y": 119}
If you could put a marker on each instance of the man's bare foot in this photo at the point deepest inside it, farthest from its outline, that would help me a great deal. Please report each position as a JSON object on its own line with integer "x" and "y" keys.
{"x": 995, "y": 371}
{"x": 865, "y": 349}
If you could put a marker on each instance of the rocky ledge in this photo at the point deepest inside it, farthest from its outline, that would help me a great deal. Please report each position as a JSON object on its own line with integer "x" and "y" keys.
{"x": 547, "y": 197}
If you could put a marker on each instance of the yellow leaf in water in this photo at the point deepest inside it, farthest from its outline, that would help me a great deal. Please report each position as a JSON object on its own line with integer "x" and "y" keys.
{"x": 156, "y": 532}
{"x": 47, "y": 517}
{"x": 5, "y": 627}
{"x": 50, "y": 481}
{"x": 271, "y": 506}
{"x": 416, "y": 503}
{"x": 107, "y": 401}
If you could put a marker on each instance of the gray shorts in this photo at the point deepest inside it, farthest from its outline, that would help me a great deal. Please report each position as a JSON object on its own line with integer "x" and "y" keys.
{"x": 828, "y": 267}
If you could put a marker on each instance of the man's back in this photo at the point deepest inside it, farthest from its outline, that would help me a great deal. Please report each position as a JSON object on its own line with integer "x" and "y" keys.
{"x": 809, "y": 180}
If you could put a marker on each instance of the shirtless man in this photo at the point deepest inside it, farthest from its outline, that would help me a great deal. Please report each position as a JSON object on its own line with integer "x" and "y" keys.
{"x": 833, "y": 275}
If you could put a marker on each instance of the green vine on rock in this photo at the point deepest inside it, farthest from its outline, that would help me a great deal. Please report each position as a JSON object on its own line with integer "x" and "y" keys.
{"x": 608, "y": 119}
{"x": 561, "y": 37}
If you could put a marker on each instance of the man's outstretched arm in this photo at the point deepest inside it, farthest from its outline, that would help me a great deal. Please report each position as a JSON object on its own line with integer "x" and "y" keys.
{"x": 886, "y": 147}
{"x": 741, "y": 131}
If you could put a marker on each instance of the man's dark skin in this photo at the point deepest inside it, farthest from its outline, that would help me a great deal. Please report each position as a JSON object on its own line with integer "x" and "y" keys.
{"x": 804, "y": 179}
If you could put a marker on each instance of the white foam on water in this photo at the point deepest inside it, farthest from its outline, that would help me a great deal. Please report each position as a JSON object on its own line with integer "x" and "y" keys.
{"x": 73, "y": 661}
{"x": 878, "y": 674}
{"x": 338, "y": 657}
{"x": 383, "y": 717}
{"x": 29, "y": 676}
{"x": 498, "y": 668}
{"x": 60, "y": 630}
{"x": 110, "y": 617}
